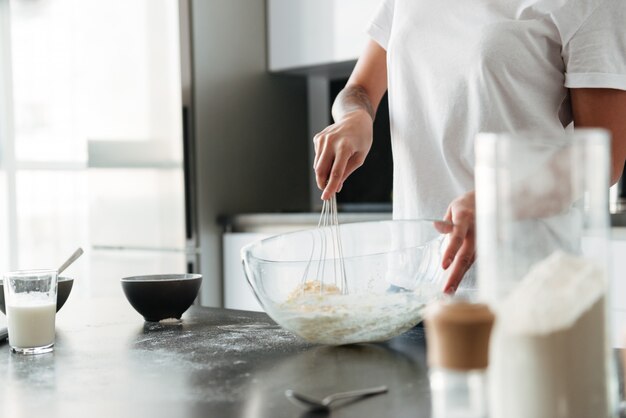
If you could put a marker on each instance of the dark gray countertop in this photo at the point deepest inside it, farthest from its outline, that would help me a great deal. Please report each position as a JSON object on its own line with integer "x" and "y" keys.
{"x": 217, "y": 363}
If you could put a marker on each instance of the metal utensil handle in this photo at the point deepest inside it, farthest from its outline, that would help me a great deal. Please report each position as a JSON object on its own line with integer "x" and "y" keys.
{"x": 353, "y": 394}
{"x": 300, "y": 398}
{"x": 70, "y": 260}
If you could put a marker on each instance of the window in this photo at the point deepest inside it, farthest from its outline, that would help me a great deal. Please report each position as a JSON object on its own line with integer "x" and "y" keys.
{"x": 92, "y": 155}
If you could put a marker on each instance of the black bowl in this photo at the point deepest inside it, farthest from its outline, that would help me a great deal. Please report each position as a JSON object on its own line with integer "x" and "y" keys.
{"x": 161, "y": 296}
{"x": 64, "y": 288}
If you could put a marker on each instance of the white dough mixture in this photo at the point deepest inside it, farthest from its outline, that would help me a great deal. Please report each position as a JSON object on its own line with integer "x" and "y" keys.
{"x": 334, "y": 318}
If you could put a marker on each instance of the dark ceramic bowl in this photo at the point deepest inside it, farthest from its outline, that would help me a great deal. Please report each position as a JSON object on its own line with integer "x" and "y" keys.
{"x": 64, "y": 288}
{"x": 161, "y": 296}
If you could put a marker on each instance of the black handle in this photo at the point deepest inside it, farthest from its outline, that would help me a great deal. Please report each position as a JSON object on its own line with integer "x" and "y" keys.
{"x": 188, "y": 175}
{"x": 4, "y": 334}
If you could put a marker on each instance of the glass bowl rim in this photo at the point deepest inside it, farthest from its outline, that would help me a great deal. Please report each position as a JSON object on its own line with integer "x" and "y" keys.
{"x": 247, "y": 255}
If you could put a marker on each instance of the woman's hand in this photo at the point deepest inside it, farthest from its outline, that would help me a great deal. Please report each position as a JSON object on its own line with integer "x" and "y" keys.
{"x": 340, "y": 149}
{"x": 461, "y": 251}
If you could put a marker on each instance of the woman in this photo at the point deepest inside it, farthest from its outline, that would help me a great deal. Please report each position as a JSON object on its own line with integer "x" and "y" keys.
{"x": 454, "y": 68}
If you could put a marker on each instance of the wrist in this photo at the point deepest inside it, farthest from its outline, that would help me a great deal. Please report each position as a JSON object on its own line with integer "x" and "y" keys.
{"x": 360, "y": 115}
{"x": 352, "y": 100}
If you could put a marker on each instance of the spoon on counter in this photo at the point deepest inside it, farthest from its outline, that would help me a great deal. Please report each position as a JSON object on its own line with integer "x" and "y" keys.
{"x": 79, "y": 251}
{"x": 324, "y": 405}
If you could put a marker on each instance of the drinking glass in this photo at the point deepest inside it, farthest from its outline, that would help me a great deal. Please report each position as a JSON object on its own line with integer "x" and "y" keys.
{"x": 30, "y": 297}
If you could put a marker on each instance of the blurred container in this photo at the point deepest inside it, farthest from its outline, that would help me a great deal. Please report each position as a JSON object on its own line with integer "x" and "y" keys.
{"x": 617, "y": 197}
{"x": 543, "y": 245}
{"x": 458, "y": 347}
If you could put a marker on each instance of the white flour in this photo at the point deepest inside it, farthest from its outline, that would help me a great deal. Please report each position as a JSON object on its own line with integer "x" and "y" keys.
{"x": 344, "y": 319}
{"x": 548, "y": 351}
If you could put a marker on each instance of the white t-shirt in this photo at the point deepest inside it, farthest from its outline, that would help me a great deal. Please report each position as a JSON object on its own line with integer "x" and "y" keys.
{"x": 459, "y": 67}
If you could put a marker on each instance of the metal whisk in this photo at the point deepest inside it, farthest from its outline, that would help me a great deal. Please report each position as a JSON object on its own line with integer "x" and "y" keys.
{"x": 330, "y": 251}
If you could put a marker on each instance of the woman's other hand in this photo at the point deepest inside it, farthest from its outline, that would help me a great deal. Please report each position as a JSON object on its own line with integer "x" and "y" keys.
{"x": 461, "y": 251}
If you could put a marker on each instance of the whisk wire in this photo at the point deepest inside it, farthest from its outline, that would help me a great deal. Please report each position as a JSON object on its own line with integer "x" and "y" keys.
{"x": 327, "y": 229}
{"x": 341, "y": 265}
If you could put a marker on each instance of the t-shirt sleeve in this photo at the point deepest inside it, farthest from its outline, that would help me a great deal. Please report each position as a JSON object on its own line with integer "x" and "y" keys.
{"x": 380, "y": 27}
{"x": 595, "y": 55}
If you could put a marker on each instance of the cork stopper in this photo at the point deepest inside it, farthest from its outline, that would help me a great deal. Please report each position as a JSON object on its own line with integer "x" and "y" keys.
{"x": 458, "y": 335}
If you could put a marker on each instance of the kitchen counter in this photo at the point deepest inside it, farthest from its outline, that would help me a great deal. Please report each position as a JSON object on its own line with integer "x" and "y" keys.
{"x": 263, "y": 222}
{"x": 216, "y": 363}
{"x": 275, "y": 223}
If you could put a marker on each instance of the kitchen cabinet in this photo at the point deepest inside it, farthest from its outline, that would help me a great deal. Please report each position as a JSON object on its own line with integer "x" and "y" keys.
{"x": 237, "y": 291}
{"x": 306, "y": 33}
{"x": 246, "y": 229}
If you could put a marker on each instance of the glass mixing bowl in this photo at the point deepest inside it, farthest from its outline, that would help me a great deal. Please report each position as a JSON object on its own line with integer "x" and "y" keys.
{"x": 389, "y": 271}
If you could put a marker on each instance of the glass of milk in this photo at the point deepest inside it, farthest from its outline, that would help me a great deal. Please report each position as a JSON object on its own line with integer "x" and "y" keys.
{"x": 31, "y": 301}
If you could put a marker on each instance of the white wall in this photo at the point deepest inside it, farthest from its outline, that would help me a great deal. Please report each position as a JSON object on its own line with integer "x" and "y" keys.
{"x": 90, "y": 139}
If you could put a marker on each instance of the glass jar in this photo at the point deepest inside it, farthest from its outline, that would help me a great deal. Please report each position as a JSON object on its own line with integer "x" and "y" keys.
{"x": 458, "y": 393}
{"x": 543, "y": 250}
{"x": 458, "y": 335}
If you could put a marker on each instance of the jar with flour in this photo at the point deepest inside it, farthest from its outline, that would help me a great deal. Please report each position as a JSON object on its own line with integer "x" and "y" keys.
{"x": 543, "y": 247}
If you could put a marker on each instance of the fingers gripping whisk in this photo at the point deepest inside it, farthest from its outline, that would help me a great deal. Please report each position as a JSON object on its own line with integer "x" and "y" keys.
{"x": 326, "y": 266}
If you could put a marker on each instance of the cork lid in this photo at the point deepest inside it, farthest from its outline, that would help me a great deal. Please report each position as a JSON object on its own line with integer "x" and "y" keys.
{"x": 458, "y": 335}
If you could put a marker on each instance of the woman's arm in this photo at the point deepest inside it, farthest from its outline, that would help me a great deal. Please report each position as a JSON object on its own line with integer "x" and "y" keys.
{"x": 592, "y": 108}
{"x": 604, "y": 108}
{"x": 342, "y": 147}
